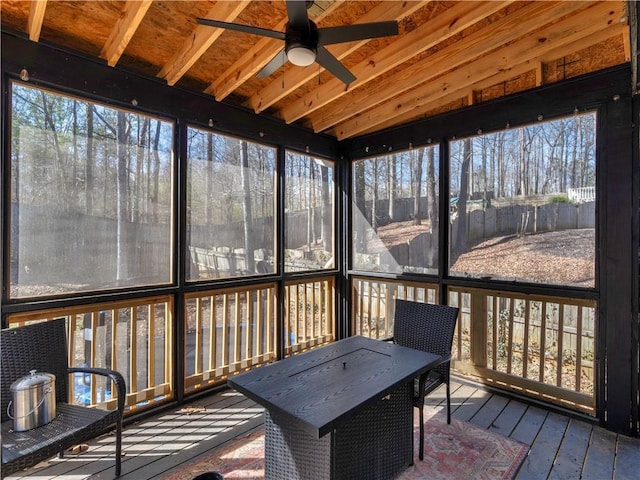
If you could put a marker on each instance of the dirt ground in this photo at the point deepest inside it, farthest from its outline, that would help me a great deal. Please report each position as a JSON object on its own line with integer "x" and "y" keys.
{"x": 563, "y": 257}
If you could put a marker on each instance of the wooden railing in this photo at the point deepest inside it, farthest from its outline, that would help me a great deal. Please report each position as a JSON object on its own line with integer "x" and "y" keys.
{"x": 310, "y": 314}
{"x": 539, "y": 346}
{"x": 373, "y": 303}
{"x": 228, "y": 331}
{"x": 133, "y": 337}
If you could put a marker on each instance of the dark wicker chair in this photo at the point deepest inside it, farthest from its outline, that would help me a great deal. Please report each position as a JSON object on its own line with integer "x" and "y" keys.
{"x": 43, "y": 347}
{"x": 429, "y": 328}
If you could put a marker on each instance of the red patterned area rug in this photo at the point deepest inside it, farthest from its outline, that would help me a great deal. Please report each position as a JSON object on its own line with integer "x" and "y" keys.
{"x": 459, "y": 451}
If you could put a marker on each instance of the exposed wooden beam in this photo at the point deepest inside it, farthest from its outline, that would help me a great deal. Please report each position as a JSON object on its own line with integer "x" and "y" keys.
{"x": 252, "y": 62}
{"x": 460, "y": 16}
{"x": 120, "y": 36}
{"x": 517, "y": 58}
{"x": 526, "y": 21}
{"x": 200, "y": 40}
{"x": 295, "y": 78}
{"x": 36, "y": 17}
{"x": 501, "y": 76}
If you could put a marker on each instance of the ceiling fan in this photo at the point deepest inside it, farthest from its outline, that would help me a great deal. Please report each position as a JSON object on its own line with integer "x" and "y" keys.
{"x": 304, "y": 41}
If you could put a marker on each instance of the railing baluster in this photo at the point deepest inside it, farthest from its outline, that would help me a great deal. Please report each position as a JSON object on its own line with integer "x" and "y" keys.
{"x": 151, "y": 339}
{"x": 225, "y": 328}
{"x": 249, "y": 324}
{"x": 579, "y": 350}
{"x": 543, "y": 340}
{"x": 510, "y": 301}
{"x": 198, "y": 333}
{"x": 560, "y": 345}
{"x": 237, "y": 336}
{"x": 213, "y": 334}
{"x": 496, "y": 337}
{"x": 133, "y": 348}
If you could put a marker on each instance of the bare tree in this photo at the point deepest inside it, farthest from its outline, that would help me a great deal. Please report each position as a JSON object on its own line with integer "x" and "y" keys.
{"x": 391, "y": 168}
{"x": 432, "y": 210}
{"x": 461, "y": 243}
{"x": 208, "y": 204}
{"x": 359, "y": 186}
{"x": 374, "y": 196}
{"x": 417, "y": 156}
{"x": 246, "y": 205}
{"x": 122, "y": 267}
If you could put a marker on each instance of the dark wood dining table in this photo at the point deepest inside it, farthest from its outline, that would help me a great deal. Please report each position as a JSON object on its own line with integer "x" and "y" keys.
{"x": 340, "y": 411}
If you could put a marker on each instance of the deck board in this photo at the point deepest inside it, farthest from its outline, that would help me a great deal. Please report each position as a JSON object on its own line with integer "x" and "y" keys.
{"x": 490, "y": 411}
{"x": 561, "y": 447}
{"x": 571, "y": 455}
{"x": 544, "y": 449}
{"x": 627, "y": 466}
{"x": 506, "y": 422}
{"x": 601, "y": 455}
{"x": 529, "y": 424}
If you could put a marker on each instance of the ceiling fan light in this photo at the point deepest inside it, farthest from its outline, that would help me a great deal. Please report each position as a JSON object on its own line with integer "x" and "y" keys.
{"x": 301, "y": 56}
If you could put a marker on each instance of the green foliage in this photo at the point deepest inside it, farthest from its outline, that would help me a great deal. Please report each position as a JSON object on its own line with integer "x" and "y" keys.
{"x": 559, "y": 198}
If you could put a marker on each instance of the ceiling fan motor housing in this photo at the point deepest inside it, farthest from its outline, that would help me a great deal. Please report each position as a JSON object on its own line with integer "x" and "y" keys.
{"x": 301, "y": 44}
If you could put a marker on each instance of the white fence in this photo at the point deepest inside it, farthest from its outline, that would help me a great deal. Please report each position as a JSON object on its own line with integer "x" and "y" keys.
{"x": 582, "y": 194}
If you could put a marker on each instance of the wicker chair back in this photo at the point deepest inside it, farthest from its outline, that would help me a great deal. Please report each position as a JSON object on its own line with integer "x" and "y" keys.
{"x": 40, "y": 346}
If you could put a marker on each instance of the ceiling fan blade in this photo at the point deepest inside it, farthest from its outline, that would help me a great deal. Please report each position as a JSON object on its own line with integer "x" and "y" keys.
{"x": 274, "y": 64}
{"x": 297, "y": 13}
{"x": 242, "y": 28}
{"x": 333, "y": 65}
{"x": 350, "y": 33}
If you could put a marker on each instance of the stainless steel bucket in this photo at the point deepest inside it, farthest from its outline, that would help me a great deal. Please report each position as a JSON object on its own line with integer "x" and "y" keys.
{"x": 33, "y": 400}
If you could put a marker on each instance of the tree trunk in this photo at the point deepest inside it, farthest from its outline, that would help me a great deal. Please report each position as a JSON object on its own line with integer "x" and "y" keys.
{"x": 391, "y": 160}
{"x": 246, "y": 206}
{"x": 122, "y": 266}
{"x": 432, "y": 208}
{"x": 156, "y": 172}
{"x": 461, "y": 243}
{"x": 374, "y": 199}
{"x": 417, "y": 214}
{"x": 327, "y": 213}
{"x": 361, "y": 210}
{"x": 88, "y": 168}
{"x": 208, "y": 205}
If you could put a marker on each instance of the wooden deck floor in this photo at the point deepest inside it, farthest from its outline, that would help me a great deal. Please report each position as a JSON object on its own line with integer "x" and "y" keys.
{"x": 561, "y": 447}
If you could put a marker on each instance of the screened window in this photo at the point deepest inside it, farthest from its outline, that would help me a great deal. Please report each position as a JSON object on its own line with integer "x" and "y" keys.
{"x": 230, "y": 199}
{"x": 91, "y": 190}
{"x": 523, "y": 202}
{"x": 309, "y": 213}
{"x": 395, "y": 212}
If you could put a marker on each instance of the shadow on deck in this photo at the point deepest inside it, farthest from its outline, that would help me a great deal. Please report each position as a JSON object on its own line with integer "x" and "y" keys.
{"x": 561, "y": 447}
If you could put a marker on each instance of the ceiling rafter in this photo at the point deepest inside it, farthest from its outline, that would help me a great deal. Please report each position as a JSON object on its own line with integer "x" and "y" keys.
{"x": 475, "y": 45}
{"x": 129, "y": 21}
{"x": 36, "y": 17}
{"x": 294, "y": 79}
{"x": 200, "y": 40}
{"x": 504, "y": 75}
{"x": 433, "y": 65}
{"x": 445, "y": 25}
{"x": 254, "y": 59}
{"x": 516, "y": 59}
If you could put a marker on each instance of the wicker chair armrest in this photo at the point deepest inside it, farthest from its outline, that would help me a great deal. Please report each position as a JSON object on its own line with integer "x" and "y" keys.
{"x": 116, "y": 377}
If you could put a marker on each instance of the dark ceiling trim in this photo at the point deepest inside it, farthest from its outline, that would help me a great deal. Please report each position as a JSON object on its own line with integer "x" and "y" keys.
{"x": 559, "y": 99}
{"x": 76, "y": 74}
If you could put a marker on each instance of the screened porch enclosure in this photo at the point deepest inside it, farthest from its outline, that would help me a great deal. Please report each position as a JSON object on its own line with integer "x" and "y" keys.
{"x": 183, "y": 250}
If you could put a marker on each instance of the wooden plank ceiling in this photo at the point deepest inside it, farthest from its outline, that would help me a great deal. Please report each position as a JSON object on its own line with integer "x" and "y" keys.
{"x": 448, "y": 54}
